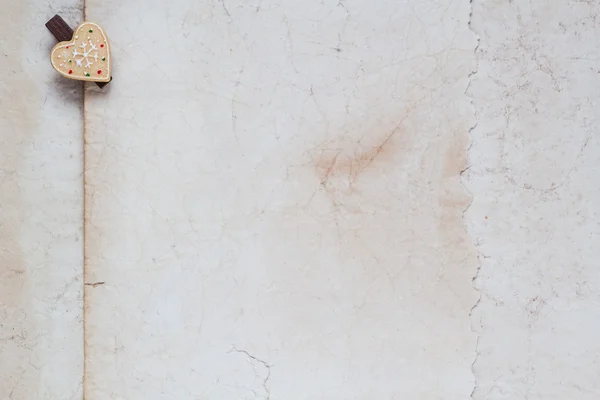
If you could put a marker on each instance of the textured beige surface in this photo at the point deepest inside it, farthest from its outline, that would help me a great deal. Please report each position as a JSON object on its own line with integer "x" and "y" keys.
{"x": 274, "y": 206}
{"x": 535, "y": 216}
{"x": 41, "y": 208}
{"x": 274, "y": 203}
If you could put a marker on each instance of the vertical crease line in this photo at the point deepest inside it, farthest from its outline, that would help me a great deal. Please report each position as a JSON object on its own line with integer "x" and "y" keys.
{"x": 85, "y": 245}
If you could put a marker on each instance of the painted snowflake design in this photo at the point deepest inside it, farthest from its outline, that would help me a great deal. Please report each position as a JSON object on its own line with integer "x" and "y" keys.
{"x": 86, "y": 54}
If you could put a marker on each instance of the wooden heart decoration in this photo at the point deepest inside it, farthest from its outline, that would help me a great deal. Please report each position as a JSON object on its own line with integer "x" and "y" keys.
{"x": 86, "y": 57}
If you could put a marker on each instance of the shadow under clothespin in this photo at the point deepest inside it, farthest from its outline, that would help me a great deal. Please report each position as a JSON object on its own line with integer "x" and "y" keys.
{"x": 63, "y": 33}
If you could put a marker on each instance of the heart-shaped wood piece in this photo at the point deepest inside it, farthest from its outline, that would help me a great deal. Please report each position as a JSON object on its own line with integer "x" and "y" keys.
{"x": 86, "y": 57}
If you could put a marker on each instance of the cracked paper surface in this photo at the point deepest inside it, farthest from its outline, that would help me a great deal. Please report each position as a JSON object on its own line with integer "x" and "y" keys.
{"x": 41, "y": 209}
{"x": 273, "y": 202}
{"x": 534, "y": 179}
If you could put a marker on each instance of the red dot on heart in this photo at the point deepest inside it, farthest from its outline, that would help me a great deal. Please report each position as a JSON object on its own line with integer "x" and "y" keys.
{"x": 67, "y": 47}
{"x": 99, "y": 71}
{"x": 70, "y": 71}
{"x": 100, "y": 46}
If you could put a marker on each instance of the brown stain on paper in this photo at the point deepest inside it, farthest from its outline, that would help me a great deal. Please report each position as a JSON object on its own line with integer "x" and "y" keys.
{"x": 392, "y": 235}
{"x": 334, "y": 162}
{"x": 346, "y": 164}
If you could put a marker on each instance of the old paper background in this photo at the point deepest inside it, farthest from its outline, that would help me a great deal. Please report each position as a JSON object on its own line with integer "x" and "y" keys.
{"x": 274, "y": 203}
{"x": 535, "y": 183}
{"x": 274, "y": 206}
{"x": 41, "y": 211}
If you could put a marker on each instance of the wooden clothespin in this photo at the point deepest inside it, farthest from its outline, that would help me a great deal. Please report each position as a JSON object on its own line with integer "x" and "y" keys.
{"x": 83, "y": 54}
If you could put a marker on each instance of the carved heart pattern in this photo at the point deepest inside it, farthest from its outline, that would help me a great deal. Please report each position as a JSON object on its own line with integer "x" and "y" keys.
{"x": 86, "y": 57}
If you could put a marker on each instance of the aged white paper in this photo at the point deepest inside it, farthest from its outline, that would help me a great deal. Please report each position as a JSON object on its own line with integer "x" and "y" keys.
{"x": 274, "y": 209}
{"x": 41, "y": 210}
{"x": 273, "y": 202}
{"x": 534, "y": 178}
